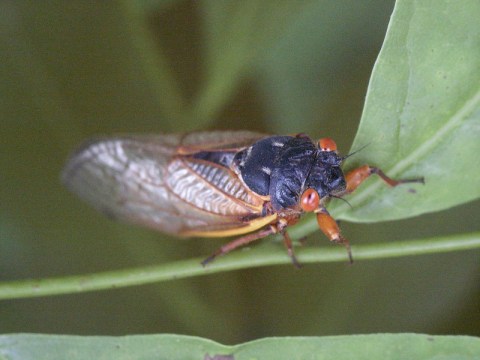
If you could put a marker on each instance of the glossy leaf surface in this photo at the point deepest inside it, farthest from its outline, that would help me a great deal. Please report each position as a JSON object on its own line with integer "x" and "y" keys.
{"x": 172, "y": 347}
{"x": 422, "y": 113}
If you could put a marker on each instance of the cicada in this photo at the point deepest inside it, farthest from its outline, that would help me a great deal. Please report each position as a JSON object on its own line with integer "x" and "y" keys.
{"x": 216, "y": 184}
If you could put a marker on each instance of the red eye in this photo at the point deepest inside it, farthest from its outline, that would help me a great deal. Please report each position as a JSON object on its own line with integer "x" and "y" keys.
{"x": 327, "y": 144}
{"x": 309, "y": 200}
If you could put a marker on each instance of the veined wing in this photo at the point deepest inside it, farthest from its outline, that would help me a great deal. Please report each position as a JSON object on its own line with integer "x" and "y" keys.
{"x": 149, "y": 180}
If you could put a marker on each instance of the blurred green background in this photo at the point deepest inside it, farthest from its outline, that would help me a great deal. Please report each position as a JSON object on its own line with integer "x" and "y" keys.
{"x": 70, "y": 70}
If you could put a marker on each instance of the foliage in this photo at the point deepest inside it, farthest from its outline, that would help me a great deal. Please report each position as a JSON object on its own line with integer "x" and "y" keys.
{"x": 277, "y": 66}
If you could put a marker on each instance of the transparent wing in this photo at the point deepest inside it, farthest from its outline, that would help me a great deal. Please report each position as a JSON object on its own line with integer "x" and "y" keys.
{"x": 153, "y": 181}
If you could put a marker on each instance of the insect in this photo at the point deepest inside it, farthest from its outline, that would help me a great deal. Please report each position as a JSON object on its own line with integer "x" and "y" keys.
{"x": 216, "y": 184}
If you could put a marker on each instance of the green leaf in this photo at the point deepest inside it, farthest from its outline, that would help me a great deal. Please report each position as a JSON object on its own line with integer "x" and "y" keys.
{"x": 314, "y": 77}
{"x": 422, "y": 113}
{"x": 172, "y": 347}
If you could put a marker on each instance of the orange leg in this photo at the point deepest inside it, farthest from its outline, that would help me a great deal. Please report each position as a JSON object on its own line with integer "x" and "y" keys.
{"x": 238, "y": 242}
{"x": 330, "y": 228}
{"x": 354, "y": 178}
{"x": 357, "y": 176}
{"x": 288, "y": 244}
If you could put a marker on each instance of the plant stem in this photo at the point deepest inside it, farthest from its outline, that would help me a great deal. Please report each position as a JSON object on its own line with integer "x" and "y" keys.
{"x": 264, "y": 255}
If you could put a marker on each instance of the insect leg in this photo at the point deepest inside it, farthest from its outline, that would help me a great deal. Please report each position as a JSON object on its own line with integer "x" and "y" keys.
{"x": 288, "y": 244}
{"x": 330, "y": 228}
{"x": 239, "y": 242}
{"x": 357, "y": 176}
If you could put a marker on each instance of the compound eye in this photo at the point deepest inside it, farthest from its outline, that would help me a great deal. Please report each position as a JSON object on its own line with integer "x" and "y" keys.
{"x": 327, "y": 144}
{"x": 310, "y": 200}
